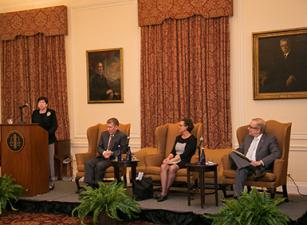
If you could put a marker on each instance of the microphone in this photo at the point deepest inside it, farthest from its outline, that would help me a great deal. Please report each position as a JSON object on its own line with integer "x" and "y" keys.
{"x": 24, "y": 105}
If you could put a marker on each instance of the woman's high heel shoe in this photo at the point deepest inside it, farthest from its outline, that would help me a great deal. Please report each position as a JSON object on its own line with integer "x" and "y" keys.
{"x": 162, "y": 198}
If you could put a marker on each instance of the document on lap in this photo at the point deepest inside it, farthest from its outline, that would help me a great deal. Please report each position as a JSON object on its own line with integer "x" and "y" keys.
{"x": 241, "y": 155}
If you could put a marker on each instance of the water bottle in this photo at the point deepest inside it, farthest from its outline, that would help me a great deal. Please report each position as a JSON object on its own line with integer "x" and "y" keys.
{"x": 119, "y": 153}
{"x": 202, "y": 158}
{"x": 128, "y": 156}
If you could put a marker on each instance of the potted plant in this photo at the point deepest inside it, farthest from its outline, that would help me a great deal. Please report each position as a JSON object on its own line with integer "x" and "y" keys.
{"x": 106, "y": 202}
{"x": 253, "y": 208}
{"x": 9, "y": 193}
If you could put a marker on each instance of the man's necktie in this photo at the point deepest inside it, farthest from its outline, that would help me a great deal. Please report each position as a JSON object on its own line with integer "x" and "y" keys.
{"x": 109, "y": 142}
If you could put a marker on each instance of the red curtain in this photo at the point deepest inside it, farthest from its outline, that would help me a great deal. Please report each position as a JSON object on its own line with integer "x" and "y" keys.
{"x": 31, "y": 67}
{"x": 185, "y": 73}
{"x": 33, "y": 63}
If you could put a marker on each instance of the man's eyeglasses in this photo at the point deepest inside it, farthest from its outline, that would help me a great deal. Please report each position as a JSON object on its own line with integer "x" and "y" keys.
{"x": 250, "y": 127}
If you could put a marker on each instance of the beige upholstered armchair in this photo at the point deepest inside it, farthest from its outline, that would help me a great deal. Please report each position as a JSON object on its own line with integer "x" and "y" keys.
{"x": 152, "y": 157}
{"x": 93, "y": 135}
{"x": 278, "y": 177}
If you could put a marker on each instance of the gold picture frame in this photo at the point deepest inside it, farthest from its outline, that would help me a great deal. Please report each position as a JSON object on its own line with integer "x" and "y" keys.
{"x": 280, "y": 64}
{"x": 105, "y": 76}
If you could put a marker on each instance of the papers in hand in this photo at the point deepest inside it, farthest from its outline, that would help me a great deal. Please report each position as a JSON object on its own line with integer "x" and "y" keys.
{"x": 241, "y": 155}
{"x": 174, "y": 160}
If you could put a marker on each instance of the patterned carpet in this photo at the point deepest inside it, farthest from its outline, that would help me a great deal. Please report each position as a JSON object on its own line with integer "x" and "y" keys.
{"x": 20, "y": 218}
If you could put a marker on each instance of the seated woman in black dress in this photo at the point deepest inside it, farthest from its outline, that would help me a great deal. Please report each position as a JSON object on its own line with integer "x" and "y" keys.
{"x": 183, "y": 150}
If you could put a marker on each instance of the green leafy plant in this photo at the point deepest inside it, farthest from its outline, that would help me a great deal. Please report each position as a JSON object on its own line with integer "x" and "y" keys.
{"x": 109, "y": 199}
{"x": 9, "y": 192}
{"x": 254, "y": 208}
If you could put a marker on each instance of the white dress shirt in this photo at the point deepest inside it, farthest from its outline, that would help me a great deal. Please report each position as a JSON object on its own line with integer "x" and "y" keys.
{"x": 251, "y": 153}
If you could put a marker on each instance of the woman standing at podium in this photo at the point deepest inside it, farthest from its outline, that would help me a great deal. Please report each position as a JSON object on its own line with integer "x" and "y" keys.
{"x": 46, "y": 118}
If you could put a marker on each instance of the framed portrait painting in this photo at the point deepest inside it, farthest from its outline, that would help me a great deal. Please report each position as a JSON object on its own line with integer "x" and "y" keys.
{"x": 105, "y": 76}
{"x": 280, "y": 64}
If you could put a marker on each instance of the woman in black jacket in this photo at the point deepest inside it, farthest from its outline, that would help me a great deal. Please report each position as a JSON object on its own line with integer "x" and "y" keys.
{"x": 46, "y": 118}
{"x": 183, "y": 150}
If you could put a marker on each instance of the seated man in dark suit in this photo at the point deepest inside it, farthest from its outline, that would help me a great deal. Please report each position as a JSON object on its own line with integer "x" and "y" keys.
{"x": 260, "y": 148}
{"x": 109, "y": 143}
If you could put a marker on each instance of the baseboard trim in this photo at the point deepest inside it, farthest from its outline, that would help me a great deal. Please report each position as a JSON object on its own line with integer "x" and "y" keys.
{"x": 292, "y": 189}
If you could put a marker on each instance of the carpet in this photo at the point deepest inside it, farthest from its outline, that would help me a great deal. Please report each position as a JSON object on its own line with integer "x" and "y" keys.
{"x": 22, "y": 218}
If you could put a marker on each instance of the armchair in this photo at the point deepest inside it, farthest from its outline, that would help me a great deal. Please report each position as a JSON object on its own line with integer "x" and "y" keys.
{"x": 93, "y": 135}
{"x": 152, "y": 157}
{"x": 276, "y": 178}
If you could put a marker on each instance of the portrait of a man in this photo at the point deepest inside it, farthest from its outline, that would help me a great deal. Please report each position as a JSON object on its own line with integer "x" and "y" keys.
{"x": 105, "y": 76}
{"x": 280, "y": 65}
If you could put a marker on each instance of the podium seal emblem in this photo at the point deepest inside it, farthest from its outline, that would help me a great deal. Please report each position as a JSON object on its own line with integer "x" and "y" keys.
{"x": 15, "y": 141}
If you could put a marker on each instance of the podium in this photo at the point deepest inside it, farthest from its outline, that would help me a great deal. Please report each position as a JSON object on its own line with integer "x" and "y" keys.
{"x": 24, "y": 156}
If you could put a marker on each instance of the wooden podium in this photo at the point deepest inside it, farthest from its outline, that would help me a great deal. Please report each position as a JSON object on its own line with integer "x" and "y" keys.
{"x": 24, "y": 156}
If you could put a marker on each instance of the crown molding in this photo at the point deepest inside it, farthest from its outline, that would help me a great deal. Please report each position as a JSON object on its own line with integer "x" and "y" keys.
{"x": 94, "y": 4}
{"x": 17, "y": 5}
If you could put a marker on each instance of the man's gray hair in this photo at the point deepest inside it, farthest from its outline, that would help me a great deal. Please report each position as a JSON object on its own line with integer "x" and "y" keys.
{"x": 260, "y": 124}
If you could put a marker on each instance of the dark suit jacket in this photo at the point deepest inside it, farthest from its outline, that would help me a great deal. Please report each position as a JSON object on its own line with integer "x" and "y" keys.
{"x": 119, "y": 139}
{"x": 48, "y": 121}
{"x": 267, "y": 149}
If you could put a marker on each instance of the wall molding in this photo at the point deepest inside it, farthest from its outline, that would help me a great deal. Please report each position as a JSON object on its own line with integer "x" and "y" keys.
{"x": 293, "y": 190}
{"x": 80, "y": 141}
{"x": 17, "y": 5}
{"x": 299, "y": 136}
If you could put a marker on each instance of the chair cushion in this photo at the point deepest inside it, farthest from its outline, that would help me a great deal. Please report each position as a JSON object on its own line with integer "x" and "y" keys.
{"x": 152, "y": 170}
{"x": 156, "y": 170}
{"x": 268, "y": 177}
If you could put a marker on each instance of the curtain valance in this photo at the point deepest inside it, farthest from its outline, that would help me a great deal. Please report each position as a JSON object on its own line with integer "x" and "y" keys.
{"x": 153, "y": 12}
{"x": 49, "y": 21}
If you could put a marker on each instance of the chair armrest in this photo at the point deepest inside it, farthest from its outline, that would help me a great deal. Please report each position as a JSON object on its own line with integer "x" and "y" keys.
{"x": 226, "y": 162}
{"x": 194, "y": 159}
{"x": 82, "y": 157}
{"x": 279, "y": 169}
{"x": 153, "y": 160}
{"x": 143, "y": 153}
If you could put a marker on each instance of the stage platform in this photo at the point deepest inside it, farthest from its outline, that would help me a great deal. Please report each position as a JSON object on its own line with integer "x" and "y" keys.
{"x": 64, "y": 193}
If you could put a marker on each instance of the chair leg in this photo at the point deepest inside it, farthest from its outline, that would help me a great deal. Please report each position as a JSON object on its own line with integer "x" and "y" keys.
{"x": 77, "y": 181}
{"x": 272, "y": 191}
{"x": 224, "y": 190}
{"x": 285, "y": 192}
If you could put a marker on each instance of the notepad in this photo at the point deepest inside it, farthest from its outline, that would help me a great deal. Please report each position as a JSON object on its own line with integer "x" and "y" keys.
{"x": 241, "y": 155}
